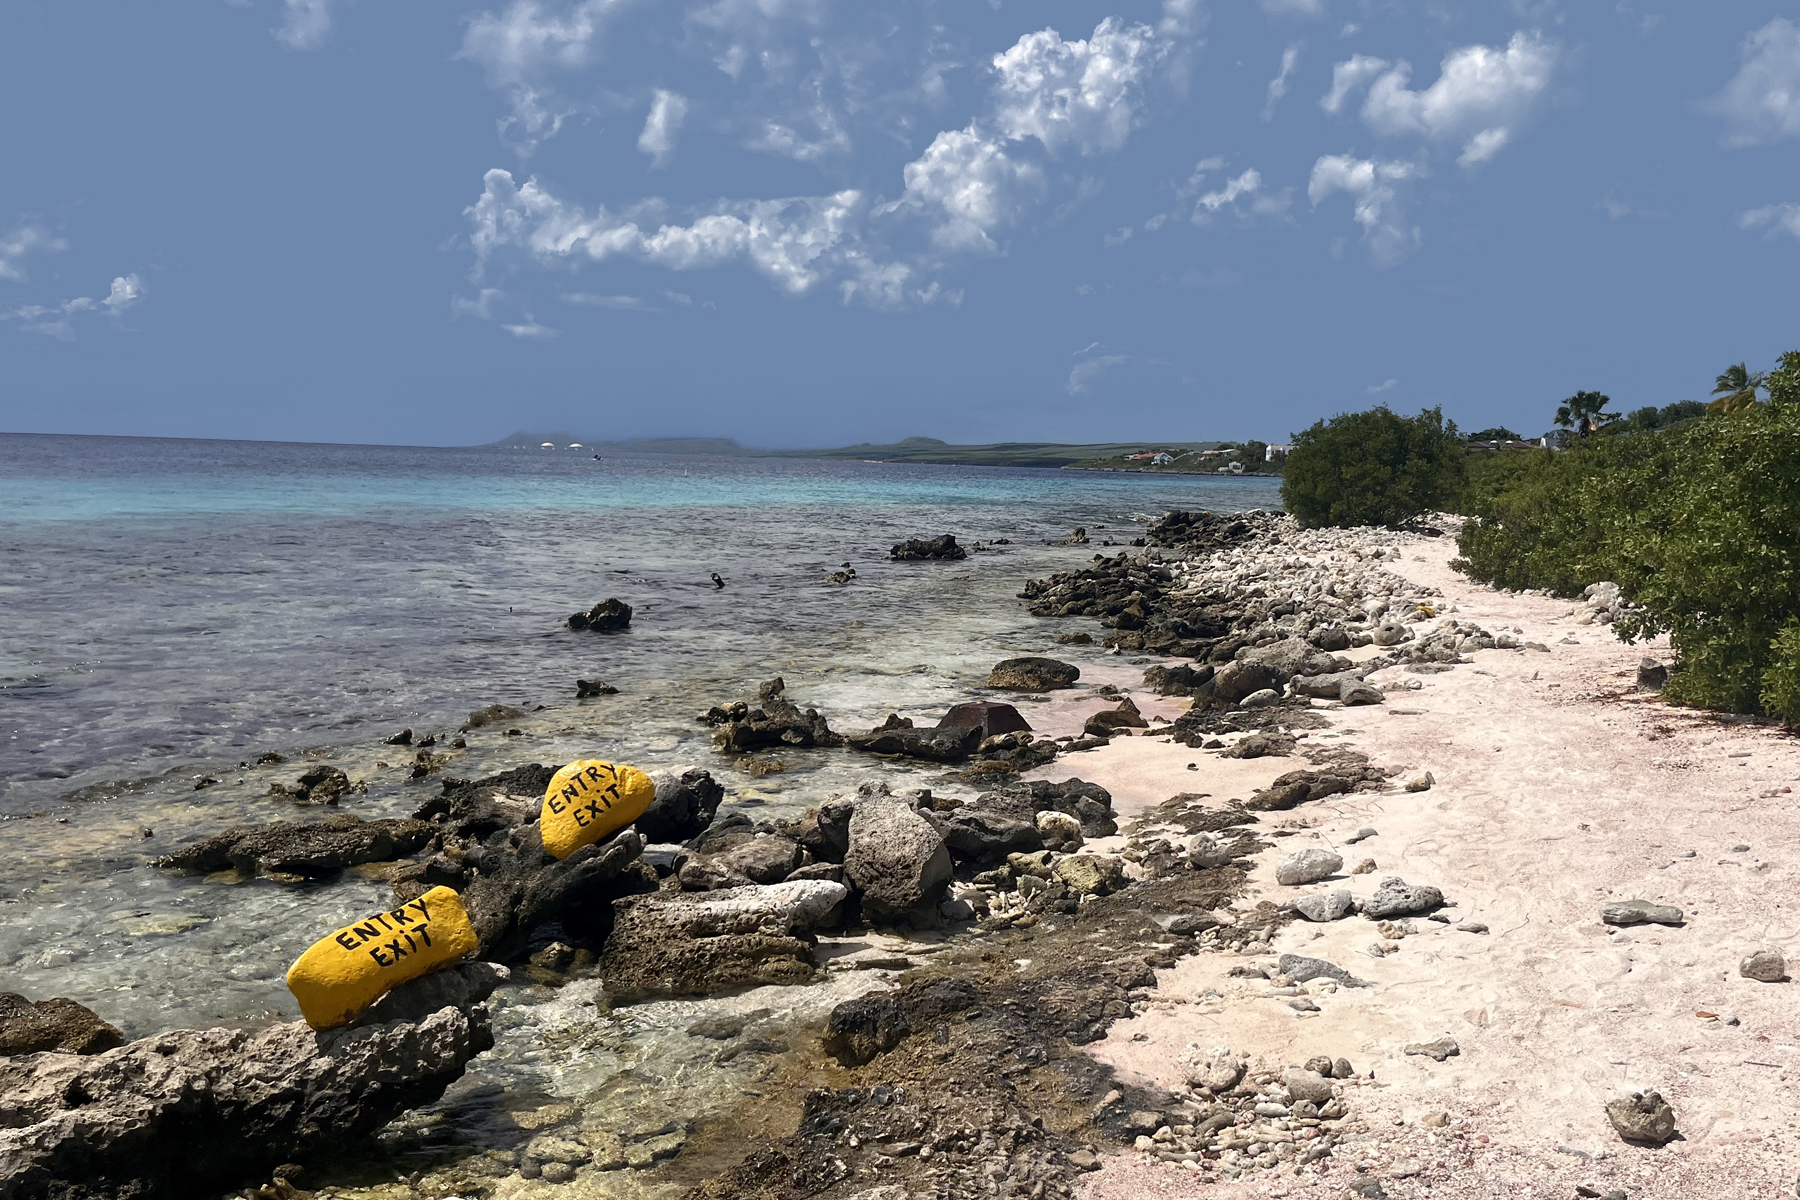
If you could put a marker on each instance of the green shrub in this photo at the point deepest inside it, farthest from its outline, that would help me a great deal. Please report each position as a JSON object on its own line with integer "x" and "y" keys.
{"x": 1373, "y": 468}
{"x": 1781, "y": 680}
{"x": 1699, "y": 526}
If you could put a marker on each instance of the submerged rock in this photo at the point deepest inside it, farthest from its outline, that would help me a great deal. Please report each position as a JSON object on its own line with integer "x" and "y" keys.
{"x": 941, "y": 547}
{"x": 776, "y": 721}
{"x": 57, "y": 1024}
{"x": 493, "y": 714}
{"x": 608, "y": 615}
{"x": 1033, "y": 673}
{"x": 898, "y": 736}
{"x": 696, "y": 943}
{"x": 197, "y": 1112}
{"x": 306, "y": 850}
{"x": 318, "y": 785}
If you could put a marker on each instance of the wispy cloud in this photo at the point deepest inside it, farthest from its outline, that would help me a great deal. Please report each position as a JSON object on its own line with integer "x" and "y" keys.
{"x": 1379, "y": 388}
{"x": 55, "y": 320}
{"x": 531, "y": 330}
{"x": 623, "y": 303}
{"x": 1373, "y": 188}
{"x": 522, "y": 50}
{"x": 26, "y": 239}
{"x": 1776, "y": 218}
{"x": 667, "y": 111}
{"x": 1278, "y": 86}
{"x": 305, "y": 24}
{"x": 1761, "y": 103}
{"x": 1084, "y": 375}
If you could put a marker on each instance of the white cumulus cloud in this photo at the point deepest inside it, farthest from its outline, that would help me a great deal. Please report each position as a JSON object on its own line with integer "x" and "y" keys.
{"x": 969, "y": 186}
{"x": 1761, "y": 103}
{"x": 127, "y": 290}
{"x": 53, "y": 319}
{"x": 667, "y": 111}
{"x": 1086, "y": 93}
{"x": 1348, "y": 76}
{"x": 1776, "y": 218}
{"x": 1371, "y": 187}
{"x": 1481, "y": 95}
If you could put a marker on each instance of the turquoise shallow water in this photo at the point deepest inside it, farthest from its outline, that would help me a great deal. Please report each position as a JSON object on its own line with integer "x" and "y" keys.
{"x": 173, "y": 609}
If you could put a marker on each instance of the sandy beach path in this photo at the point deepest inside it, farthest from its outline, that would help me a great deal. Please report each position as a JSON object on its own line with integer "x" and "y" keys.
{"x": 1559, "y": 788}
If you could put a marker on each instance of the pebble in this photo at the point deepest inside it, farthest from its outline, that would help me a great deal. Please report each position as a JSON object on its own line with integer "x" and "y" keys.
{"x": 1765, "y": 966}
{"x": 1641, "y": 912}
{"x": 1472, "y": 927}
{"x": 1307, "y": 866}
{"x": 1366, "y": 832}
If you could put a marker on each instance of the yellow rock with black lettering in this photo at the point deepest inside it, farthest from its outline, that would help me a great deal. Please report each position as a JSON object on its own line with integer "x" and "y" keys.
{"x": 345, "y": 972}
{"x": 590, "y": 799}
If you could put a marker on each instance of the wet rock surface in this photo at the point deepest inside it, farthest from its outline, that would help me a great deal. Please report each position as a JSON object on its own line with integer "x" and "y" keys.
{"x": 609, "y": 615}
{"x": 1033, "y": 673}
{"x": 776, "y": 721}
{"x": 194, "y": 1112}
{"x": 917, "y": 549}
{"x": 302, "y": 850}
{"x": 57, "y": 1024}
{"x": 897, "y": 736}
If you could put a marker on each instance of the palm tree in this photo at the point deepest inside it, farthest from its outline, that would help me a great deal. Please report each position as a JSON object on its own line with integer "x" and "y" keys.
{"x": 1737, "y": 388}
{"x": 1582, "y": 413}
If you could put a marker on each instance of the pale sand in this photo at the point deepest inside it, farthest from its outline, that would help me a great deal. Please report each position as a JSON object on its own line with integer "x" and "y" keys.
{"x": 1558, "y": 789}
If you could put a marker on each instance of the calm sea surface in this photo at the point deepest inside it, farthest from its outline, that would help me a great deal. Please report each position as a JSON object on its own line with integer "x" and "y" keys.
{"x": 172, "y": 609}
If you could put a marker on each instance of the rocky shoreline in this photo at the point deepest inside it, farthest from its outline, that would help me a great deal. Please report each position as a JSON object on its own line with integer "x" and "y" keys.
{"x": 1008, "y": 936}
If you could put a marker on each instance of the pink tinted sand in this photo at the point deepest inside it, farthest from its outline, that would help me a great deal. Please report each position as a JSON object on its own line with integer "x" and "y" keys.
{"x": 1558, "y": 789}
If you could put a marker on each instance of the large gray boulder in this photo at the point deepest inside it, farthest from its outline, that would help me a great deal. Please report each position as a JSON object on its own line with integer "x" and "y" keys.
{"x": 995, "y": 825}
{"x": 197, "y": 1112}
{"x": 696, "y": 943}
{"x": 1244, "y": 677}
{"x": 897, "y": 858}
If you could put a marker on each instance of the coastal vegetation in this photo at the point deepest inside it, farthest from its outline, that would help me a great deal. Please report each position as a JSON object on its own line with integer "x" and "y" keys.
{"x": 1696, "y": 518}
{"x": 1373, "y": 468}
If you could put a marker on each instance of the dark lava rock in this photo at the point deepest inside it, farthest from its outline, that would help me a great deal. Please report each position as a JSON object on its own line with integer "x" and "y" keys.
{"x": 1032, "y": 673}
{"x": 696, "y": 943}
{"x": 1298, "y": 787}
{"x": 1108, "y": 722}
{"x": 860, "y": 1029}
{"x": 1645, "y": 1118}
{"x": 403, "y": 738}
{"x": 584, "y": 688}
{"x": 1262, "y": 745}
{"x": 1240, "y": 678}
{"x": 608, "y": 615}
{"x": 995, "y": 825}
{"x": 198, "y": 1112}
{"x": 990, "y": 716}
{"x": 55, "y": 1024}
{"x": 1178, "y": 681}
{"x": 825, "y": 830}
{"x": 493, "y": 714}
{"x": 913, "y": 549}
{"x": 684, "y": 806}
{"x": 310, "y": 850}
{"x": 776, "y": 721}
{"x": 1652, "y": 675}
{"x": 898, "y": 736}
{"x": 896, "y": 857}
{"x": 764, "y": 858}
{"x": 493, "y": 854}
{"x": 317, "y": 785}
{"x": 1088, "y": 803}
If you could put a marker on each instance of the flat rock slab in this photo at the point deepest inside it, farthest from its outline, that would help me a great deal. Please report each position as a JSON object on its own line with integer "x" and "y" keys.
{"x": 1641, "y": 912}
{"x": 1439, "y": 1050}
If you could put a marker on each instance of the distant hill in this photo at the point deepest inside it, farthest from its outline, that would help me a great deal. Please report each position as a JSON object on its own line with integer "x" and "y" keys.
{"x": 909, "y": 450}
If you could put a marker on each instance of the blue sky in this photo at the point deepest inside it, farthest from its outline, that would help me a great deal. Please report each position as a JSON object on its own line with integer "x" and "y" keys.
{"x": 811, "y": 222}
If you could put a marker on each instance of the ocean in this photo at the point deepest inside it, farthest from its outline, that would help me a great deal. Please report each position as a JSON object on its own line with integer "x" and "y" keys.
{"x": 170, "y": 610}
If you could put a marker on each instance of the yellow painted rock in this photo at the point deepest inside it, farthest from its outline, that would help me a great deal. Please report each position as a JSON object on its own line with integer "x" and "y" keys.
{"x": 590, "y": 799}
{"x": 344, "y": 973}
